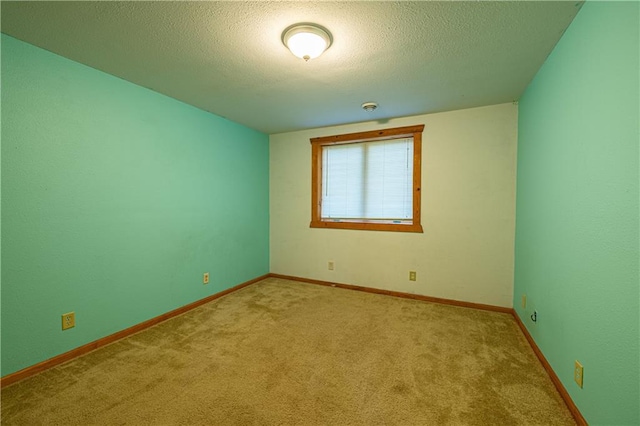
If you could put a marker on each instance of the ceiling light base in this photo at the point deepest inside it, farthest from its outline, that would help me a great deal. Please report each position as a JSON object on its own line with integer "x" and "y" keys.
{"x": 306, "y": 40}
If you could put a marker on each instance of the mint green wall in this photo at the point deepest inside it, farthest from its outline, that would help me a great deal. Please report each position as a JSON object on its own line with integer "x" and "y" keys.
{"x": 116, "y": 200}
{"x": 577, "y": 210}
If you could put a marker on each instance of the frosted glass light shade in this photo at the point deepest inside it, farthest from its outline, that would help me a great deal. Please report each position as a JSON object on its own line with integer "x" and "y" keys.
{"x": 306, "y": 41}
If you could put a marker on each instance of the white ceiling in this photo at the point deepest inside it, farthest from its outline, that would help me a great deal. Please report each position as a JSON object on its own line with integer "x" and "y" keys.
{"x": 228, "y": 58}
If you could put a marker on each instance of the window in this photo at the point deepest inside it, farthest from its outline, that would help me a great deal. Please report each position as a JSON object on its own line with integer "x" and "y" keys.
{"x": 367, "y": 180}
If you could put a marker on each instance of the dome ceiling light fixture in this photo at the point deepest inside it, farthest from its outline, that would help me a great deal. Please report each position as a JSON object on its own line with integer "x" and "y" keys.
{"x": 369, "y": 106}
{"x": 306, "y": 41}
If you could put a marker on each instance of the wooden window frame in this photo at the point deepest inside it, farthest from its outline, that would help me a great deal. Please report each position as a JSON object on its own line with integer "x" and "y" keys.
{"x": 376, "y": 135}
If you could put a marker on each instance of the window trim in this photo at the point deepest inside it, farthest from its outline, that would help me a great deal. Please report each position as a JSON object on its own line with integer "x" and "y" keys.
{"x": 374, "y": 135}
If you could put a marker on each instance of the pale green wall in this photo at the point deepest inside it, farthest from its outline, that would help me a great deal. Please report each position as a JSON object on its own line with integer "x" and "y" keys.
{"x": 116, "y": 199}
{"x": 577, "y": 210}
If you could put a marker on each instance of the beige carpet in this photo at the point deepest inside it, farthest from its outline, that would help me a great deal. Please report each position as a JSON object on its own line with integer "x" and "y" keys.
{"x": 282, "y": 352}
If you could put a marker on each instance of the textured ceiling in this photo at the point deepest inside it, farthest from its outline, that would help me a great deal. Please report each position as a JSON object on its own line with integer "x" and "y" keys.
{"x": 228, "y": 57}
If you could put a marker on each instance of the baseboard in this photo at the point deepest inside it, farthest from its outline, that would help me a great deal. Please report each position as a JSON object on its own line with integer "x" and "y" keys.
{"x": 399, "y": 294}
{"x": 84, "y": 349}
{"x": 552, "y": 374}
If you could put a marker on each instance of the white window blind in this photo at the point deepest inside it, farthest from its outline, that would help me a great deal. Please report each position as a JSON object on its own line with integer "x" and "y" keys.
{"x": 368, "y": 180}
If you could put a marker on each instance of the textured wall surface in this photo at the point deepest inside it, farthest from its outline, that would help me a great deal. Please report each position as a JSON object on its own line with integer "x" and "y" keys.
{"x": 468, "y": 212}
{"x": 115, "y": 201}
{"x": 577, "y": 210}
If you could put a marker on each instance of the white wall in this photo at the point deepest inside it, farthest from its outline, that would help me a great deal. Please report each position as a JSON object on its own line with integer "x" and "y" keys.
{"x": 468, "y": 212}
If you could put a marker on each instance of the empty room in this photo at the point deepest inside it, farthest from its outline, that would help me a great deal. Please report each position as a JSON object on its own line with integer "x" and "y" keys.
{"x": 320, "y": 213}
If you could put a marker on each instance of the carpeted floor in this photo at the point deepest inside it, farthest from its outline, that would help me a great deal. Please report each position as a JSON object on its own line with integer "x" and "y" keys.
{"x": 281, "y": 352}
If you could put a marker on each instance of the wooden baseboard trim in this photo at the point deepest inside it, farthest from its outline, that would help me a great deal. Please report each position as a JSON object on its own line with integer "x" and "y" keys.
{"x": 399, "y": 294}
{"x": 84, "y": 349}
{"x": 577, "y": 415}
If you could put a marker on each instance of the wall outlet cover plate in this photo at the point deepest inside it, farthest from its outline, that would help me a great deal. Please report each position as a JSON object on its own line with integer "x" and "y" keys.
{"x": 68, "y": 320}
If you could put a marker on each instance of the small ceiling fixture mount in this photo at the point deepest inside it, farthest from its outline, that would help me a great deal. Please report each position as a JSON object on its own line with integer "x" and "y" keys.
{"x": 369, "y": 106}
{"x": 306, "y": 41}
